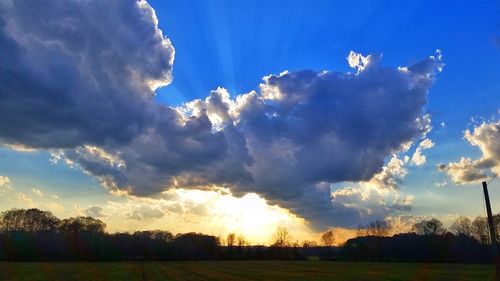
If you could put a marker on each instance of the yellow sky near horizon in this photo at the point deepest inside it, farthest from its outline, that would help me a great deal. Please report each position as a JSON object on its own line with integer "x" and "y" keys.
{"x": 213, "y": 212}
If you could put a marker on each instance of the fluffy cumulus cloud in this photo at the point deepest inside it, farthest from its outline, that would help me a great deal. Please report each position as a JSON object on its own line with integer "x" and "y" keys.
{"x": 78, "y": 72}
{"x": 301, "y": 132}
{"x": 485, "y": 136}
{"x": 75, "y": 83}
{"x": 391, "y": 175}
{"x": 5, "y": 184}
{"x": 372, "y": 203}
{"x": 5, "y": 181}
{"x": 418, "y": 158}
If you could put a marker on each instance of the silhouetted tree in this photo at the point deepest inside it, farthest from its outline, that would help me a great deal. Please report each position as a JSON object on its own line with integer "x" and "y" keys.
{"x": 429, "y": 227}
{"x": 496, "y": 222}
{"x": 462, "y": 226}
{"x": 82, "y": 224}
{"x": 241, "y": 241}
{"x": 377, "y": 228}
{"x": 30, "y": 220}
{"x": 328, "y": 238}
{"x": 281, "y": 237}
{"x": 479, "y": 230}
{"x": 309, "y": 244}
{"x": 410, "y": 247}
{"x": 231, "y": 239}
{"x": 38, "y": 235}
{"x": 221, "y": 241}
{"x": 194, "y": 246}
{"x": 161, "y": 235}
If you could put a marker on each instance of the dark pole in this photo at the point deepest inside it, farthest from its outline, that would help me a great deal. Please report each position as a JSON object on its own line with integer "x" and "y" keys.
{"x": 490, "y": 220}
{"x": 494, "y": 244}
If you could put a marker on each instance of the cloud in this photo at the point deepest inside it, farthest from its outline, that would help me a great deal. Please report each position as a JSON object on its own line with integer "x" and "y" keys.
{"x": 56, "y": 208}
{"x": 146, "y": 212}
{"x": 214, "y": 212}
{"x": 484, "y": 136}
{"x": 391, "y": 174}
{"x": 303, "y": 128}
{"x": 5, "y": 184}
{"x": 418, "y": 158}
{"x": 441, "y": 183}
{"x": 5, "y": 181}
{"x": 19, "y": 148}
{"x": 85, "y": 91}
{"x": 79, "y": 72}
{"x": 372, "y": 203}
{"x": 94, "y": 211}
{"x": 24, "y": 201}
{"x": 37, "y": 192}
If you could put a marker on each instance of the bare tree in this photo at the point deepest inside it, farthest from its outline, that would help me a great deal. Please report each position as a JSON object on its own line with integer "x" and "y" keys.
{"x": 479, "y": 229}
{"x": 281, "y": 237}
{"x": 496, "y": 222}
{"x": 241, "y": 241}
{"x": 362, "y": 231}
{"x": 377, "y": 228}
{"x": 462, "y": 226}
{"x": 231, "y": 239}
{"x": 221, "y": 241}
{"x": 328, "y": 238}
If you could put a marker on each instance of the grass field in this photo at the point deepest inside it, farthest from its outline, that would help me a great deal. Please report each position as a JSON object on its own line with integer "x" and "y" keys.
{"x": 242, "y": 270}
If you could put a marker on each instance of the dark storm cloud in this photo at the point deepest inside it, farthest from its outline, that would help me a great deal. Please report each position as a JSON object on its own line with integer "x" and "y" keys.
{"x": 302, "y": 131}
{"x": 78, "y": 78}
{"x": 308, "y": 127}
{"x": 75, "y": 72}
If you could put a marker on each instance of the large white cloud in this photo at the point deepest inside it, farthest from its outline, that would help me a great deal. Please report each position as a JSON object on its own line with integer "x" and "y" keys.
{"x": 485, "y": 136}
{"x": 301, "y": 131}
{"x": 78, "y": 78}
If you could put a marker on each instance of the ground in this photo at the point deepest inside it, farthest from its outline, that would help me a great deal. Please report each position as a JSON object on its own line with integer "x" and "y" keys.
{"x": 242, "y": 270}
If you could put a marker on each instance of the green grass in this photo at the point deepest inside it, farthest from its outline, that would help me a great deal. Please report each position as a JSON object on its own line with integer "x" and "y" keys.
{"x": 242, "y": 270}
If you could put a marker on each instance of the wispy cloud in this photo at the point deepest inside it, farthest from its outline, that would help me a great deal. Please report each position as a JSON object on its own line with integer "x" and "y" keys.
{"x": 37, "y": 192}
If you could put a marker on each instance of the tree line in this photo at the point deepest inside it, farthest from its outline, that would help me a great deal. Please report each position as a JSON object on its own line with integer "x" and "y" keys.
{"x": 33, "y": 234}
{"x": 428, "y": 241}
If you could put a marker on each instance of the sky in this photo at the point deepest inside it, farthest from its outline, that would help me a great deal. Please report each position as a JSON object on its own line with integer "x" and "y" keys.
{"x": 230, "y": 116}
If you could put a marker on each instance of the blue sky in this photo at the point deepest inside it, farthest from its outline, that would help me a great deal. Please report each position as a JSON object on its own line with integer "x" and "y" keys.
{"x": 234, "y": 44}
{"x": 213, "y": 41}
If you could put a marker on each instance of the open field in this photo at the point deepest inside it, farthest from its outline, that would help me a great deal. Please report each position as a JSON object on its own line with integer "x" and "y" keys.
{"x": 242, "y": 270}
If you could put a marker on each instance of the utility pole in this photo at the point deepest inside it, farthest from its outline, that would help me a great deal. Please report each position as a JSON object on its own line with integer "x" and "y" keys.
{"x": 491, "y": 224}
{"x": 494, "y": 244}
